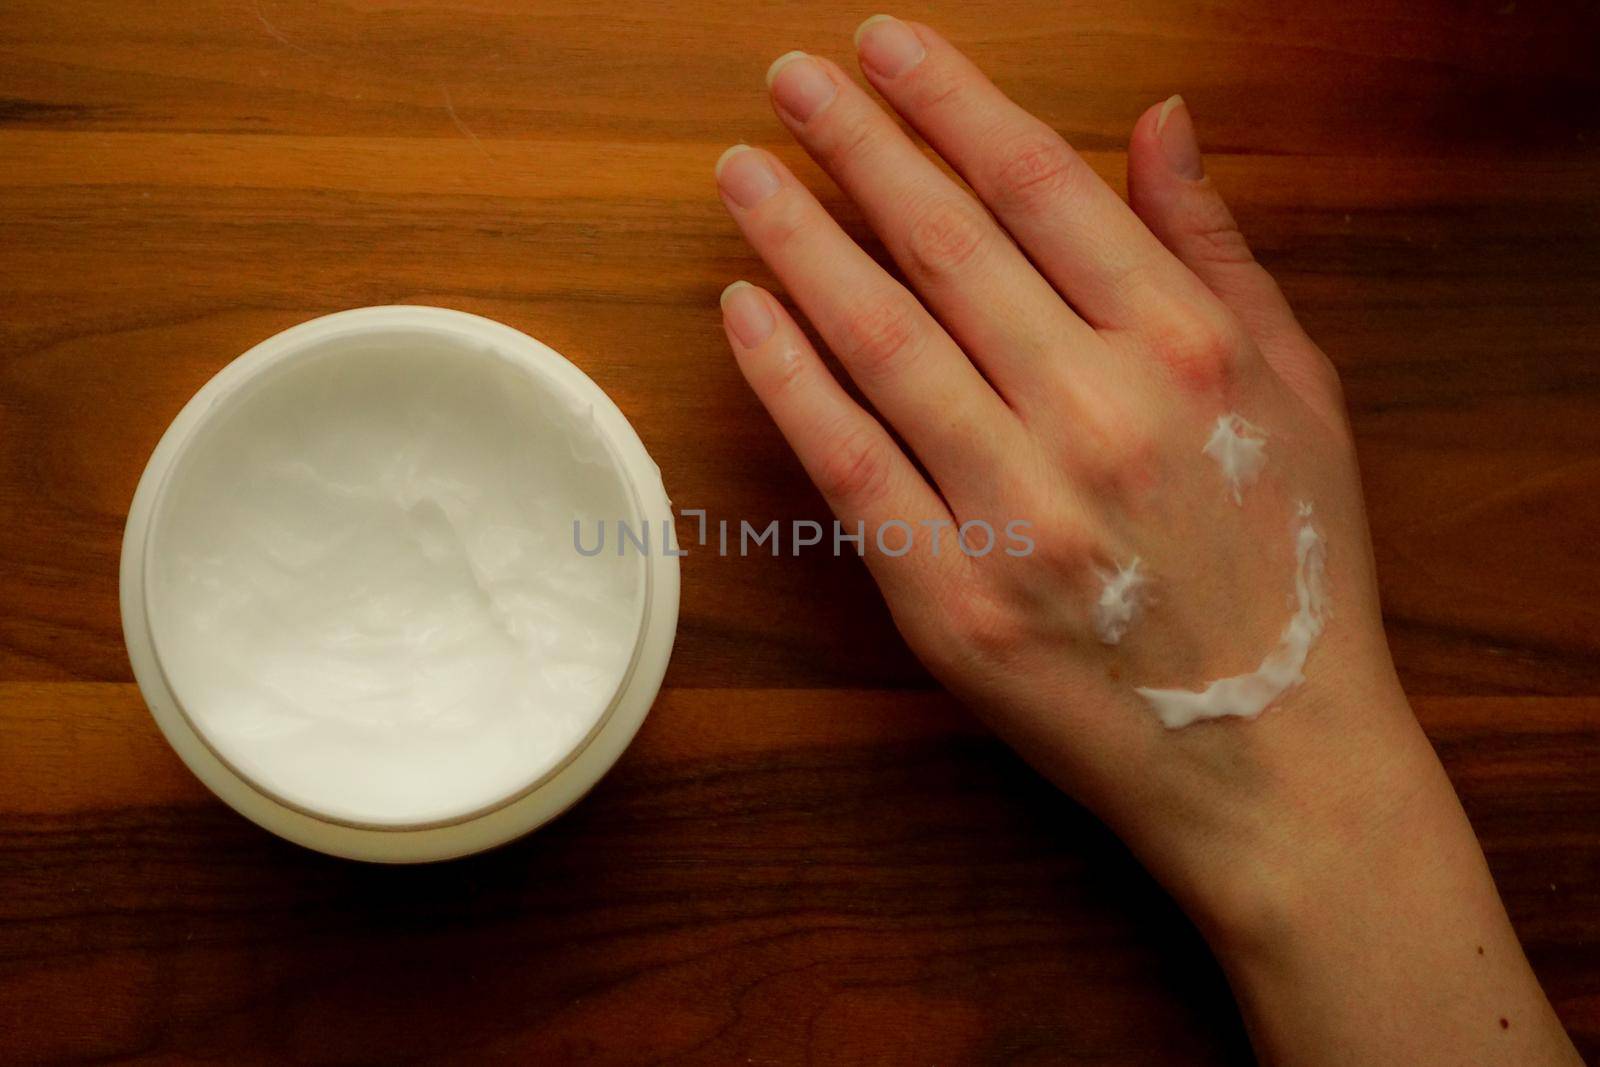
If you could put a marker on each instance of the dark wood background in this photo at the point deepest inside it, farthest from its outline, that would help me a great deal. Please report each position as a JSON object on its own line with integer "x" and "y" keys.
{"x": 809, "y": 853}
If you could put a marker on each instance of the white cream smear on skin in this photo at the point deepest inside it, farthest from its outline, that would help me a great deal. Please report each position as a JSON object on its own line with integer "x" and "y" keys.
{"x": 368, "y": 591}
{"x": 1248, "y": 695}
{"x": 1121, "y": 598}
{"x": 1240, "y": 450}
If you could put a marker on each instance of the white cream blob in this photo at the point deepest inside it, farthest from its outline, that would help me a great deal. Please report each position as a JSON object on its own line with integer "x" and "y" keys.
{"x": 1122, "y": 594}
{"x": 1248, "y": 695}
{"x": 1240, "y": 449}
{"x": 363, "y": 587}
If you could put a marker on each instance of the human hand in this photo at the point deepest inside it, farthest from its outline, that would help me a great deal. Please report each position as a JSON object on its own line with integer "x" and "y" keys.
{"x": 1069, "y": 384}
{"x": 1108, "y": 375}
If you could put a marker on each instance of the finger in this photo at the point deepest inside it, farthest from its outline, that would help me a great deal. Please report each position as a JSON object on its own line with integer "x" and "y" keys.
{"x": 862, "y": 473}
{"x": 1169, "y": 189}
{"x": 1170, "y": 192}
{"x": 905, "y": 363}
{"x": 973, "y": 277}
{"x": 1083, "y": 237}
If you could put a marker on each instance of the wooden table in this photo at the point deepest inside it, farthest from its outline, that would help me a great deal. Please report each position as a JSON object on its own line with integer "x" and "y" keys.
{"x": 809, "y": 852}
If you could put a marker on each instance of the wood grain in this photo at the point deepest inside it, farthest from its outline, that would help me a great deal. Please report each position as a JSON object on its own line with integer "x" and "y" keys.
{"x": 809, "y": 852}
{"x": 769, "y": 874}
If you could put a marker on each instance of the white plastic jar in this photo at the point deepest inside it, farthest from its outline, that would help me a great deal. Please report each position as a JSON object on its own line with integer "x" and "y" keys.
{"x": 361, "y": 591}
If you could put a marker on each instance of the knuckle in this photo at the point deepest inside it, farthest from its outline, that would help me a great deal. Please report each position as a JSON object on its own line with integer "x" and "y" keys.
{"x": 1062, "y": 547}
{"x": 936, "y": 94}
{"x": 1114, "y": 450}
{"x": 1222, "y": 244}
{"x": 1134, "y": 279}
{"x": 1200, "y": 349}
{"x": 848, "y": 143}
{"x": 1211, "y": 235}
{"x": 1037, "y": 167}
{"x": 780, "y": 229}
{"x": 785, "y": 374}
{"x": 944, "y": 237}
{"x": 856, "y": 469}
{"x": 981, "y": 626}
{"x": 878, "y": 338}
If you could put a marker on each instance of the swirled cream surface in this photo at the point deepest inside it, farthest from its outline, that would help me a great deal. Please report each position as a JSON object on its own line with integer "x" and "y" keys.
{"x": 363, "y": 587}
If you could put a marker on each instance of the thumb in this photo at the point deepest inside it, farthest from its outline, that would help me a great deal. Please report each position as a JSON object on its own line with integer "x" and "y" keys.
{"x": 1169, "y": 190}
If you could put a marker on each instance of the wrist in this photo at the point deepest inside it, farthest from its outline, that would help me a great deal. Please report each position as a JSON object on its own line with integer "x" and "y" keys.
{"x": 1340, "y": 856}
{"x": 1363, "y": 926}
{"x": 1319, "y": 802}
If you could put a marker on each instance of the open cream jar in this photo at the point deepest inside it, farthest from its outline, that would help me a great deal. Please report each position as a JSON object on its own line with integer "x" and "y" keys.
{"x": 353, "y": 593}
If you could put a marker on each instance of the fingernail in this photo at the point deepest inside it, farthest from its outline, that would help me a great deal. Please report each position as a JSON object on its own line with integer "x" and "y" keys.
{"x": 746, "y": 176}
{"x": 745, "y": 311}
{"x": 887, "y": 46}
{"x": 800, "y": 85}
{"x": 1175, "y": 129}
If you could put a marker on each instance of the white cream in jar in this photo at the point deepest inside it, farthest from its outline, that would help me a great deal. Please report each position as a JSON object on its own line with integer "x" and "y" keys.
{"x": 360, "y": 592}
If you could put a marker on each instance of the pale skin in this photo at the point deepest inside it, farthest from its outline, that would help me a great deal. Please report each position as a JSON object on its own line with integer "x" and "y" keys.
{"x": 1058, "y": 355}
